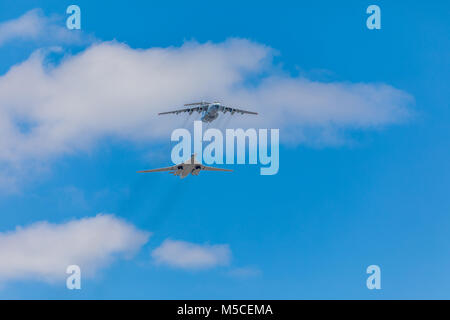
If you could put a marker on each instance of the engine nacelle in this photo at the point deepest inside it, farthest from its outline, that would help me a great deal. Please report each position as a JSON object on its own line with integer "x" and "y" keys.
{"x": 178, "y": 173}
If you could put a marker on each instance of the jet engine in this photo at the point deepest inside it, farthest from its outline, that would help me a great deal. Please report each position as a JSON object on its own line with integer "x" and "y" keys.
{"x": 196, "y": 171}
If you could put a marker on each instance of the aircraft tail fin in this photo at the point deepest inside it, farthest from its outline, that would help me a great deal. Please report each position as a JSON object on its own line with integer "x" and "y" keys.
{"x": 192, "y": 159}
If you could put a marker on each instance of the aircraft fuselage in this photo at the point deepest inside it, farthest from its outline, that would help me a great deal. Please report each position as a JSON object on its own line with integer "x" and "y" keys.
{"x": 183, "y": 170}
{"x": 211, "y": 113}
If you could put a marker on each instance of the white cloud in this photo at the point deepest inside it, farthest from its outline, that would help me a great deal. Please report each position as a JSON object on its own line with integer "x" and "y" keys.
{"x": 35, "y": 26}
{"x": 186, "y": 255}
{"x": 43, "y": 250}
{"x": 27, "y": 26}
{"x": 244, "y": 272}
{"x": 112, "y": 90}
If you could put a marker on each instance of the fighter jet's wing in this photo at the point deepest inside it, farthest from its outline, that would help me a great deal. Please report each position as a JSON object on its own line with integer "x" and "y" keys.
{"x": 234, "y": 110}
{"x": 190, "y": 110}
{"x": 214, "y": 169}
{"x": 160, "y": 169}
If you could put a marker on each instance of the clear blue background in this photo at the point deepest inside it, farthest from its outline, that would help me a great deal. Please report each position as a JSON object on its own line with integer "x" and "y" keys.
{"x": 312, "y": 229}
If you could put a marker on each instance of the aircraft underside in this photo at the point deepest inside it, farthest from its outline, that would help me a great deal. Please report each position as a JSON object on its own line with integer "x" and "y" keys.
{"x": 184, "y": 171}
{"x": 209, "y": 117}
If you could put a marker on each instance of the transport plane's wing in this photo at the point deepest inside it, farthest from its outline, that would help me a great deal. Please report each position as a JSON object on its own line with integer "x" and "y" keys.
{"x": 190, "y": 110}
{"x": 160, "y": 169}
{"x": 234, "y": 110}
{"x": 199, "y": 107}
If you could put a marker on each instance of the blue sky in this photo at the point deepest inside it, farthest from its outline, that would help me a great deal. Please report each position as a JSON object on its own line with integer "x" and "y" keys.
{"x": 376, "y": 192}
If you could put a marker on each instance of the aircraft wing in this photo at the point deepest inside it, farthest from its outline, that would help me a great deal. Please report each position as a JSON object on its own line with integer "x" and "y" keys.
{"x": 214, "y": 169}
{"x": 233, "y": 110}
{"x": 190, "y": 110}
{"x": 197, "y": 103}
{"x": 160, "y": 169}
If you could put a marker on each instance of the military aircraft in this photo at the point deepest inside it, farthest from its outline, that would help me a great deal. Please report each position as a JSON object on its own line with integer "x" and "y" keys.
{"x": 191, "y": 166}
{"x": 210, "y": 111}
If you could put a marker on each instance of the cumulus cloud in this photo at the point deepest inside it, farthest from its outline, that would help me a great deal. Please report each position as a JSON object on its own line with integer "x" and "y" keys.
{"x": 44, "y": 250}
{"x": 112, "y": 90}
{"x": 35, "y": 26}
{"x": 245, "y": 272}
{"x": 186, "y": 255}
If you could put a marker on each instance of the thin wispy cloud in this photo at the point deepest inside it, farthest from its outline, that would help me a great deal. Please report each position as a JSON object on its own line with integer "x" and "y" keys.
{"x": 35, "y": 26}
{"x": 244, "y": 272}
{"x": 191, "y": 256}
{"x": 42, "y": 251}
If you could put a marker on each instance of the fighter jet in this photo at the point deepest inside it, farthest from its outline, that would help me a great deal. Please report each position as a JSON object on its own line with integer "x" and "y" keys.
{"x": 182, "y": 170}
{"x": 210, "y": 111}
